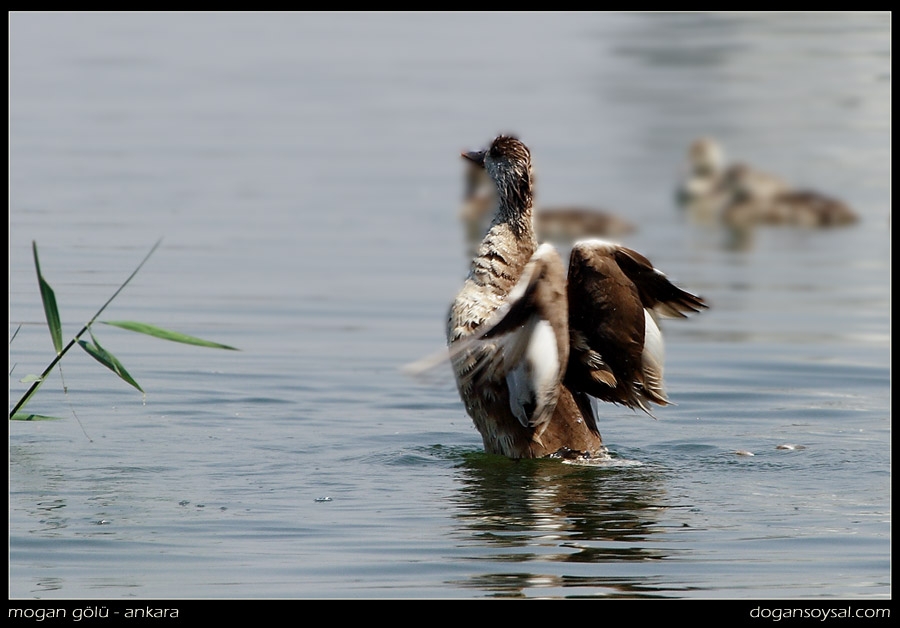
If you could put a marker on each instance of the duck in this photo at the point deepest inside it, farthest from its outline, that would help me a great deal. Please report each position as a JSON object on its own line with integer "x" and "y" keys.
{"x": 740, "y": 195}
{"x": 534, "y": 344}
{"x": 562, "y": 224}
{"x": 752, "y": 199}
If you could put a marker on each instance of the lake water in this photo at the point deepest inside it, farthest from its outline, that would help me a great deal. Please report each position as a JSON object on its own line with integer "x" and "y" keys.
{"x": 304, "y": 172}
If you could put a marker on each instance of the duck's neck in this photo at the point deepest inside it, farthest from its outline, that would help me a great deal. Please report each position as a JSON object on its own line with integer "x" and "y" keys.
{"x": 509, "y": 243}
{"x": 516, "y": 206}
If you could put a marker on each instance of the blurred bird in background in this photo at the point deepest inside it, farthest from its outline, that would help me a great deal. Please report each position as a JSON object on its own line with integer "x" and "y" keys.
{"x": 739, "y": 195}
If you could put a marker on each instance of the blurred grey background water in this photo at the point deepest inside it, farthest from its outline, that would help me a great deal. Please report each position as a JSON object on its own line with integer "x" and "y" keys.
{"x": 304, "y": 171}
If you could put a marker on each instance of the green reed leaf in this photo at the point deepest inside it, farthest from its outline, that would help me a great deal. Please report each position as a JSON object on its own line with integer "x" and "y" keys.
{"x": 59, "y": 354}
{"x": 165, "y": 334}
{"x": 108, "y": 360}
{"x": 24, "y": 416}
{"x": 49, "y": 299}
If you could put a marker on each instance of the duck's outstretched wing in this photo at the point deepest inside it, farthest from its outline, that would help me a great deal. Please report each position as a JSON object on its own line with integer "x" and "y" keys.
{"x": 656, "y": 292}
{"x": 617, "y": 352}
{"x": 524, "y": 343}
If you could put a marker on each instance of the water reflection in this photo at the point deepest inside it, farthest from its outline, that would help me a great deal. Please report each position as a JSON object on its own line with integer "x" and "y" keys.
{"x": 47, "y": 513}
{"x": 694, "y": 41}
{"x": 48, "y": 584}
{"x": 531, "y": 511}
{"x": 50, "y": 515}
{"x": 40, "y": 486}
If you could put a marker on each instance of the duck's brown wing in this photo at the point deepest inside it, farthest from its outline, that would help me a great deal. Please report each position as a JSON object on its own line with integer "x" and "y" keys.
{"x": 656, "y": 292}
{"x": 616, "y": 351}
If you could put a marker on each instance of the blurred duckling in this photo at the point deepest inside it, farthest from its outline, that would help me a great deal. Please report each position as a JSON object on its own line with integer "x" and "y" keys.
{"x": 562, "y": 224}
{"x": 752, "y": 201}
{"x": 741, "y": 196}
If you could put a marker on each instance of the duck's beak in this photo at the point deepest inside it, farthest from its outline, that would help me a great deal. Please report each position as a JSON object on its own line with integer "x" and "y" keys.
{"x": 475, "y": 156}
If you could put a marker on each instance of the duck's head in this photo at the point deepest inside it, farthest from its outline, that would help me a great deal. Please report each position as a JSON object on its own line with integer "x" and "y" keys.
{"x": 508, "y": 162}
{"x": 705, "y": 157}
{"x": 701, "y": 173}
{"x": 505, "y": 153}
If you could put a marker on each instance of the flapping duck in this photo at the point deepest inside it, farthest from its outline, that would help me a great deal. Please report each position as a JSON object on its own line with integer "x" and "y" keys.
{"x": 531, "y": 344}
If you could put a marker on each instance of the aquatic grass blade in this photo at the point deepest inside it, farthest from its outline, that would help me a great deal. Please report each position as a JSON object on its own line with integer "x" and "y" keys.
{"x": 28, "y": 395}
{"x": 108, "y": 360}
{"x": 59, "y": 355}
{"x": 165, "y": 334}
{"x": 24, "y": 416}
{"x": 49, "y": 299}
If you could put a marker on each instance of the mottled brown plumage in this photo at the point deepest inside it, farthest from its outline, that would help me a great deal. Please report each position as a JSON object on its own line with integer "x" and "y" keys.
{"x": 529, "y": 346}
